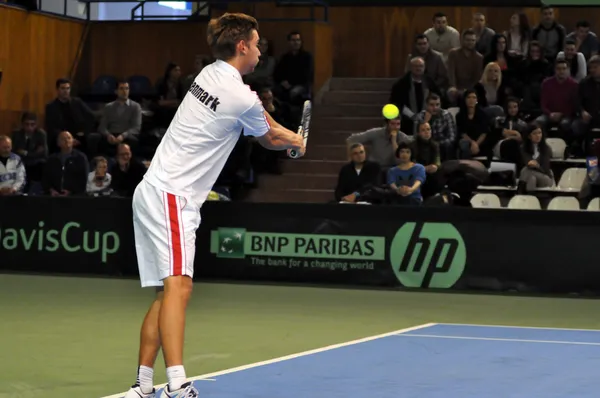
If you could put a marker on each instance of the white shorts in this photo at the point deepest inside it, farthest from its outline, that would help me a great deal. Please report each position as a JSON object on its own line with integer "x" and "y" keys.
{"x": 165, "y": 234}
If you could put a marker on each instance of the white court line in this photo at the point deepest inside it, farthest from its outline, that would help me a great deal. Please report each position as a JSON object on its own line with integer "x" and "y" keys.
{"x": 293, "y": 356}
{"x": 516, "y": 327}
{"x": 435, "y": 336}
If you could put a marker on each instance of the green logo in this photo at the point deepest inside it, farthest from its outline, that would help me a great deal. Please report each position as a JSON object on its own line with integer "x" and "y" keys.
{"x": 428, "y": 255}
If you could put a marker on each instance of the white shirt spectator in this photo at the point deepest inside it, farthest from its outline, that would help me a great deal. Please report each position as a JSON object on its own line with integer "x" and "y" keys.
{"x": 204, "y": 131}
{"x": 444, "y": 42}
{"x": 98, "y": 185}
{"x": 581, "y": 66}
{"x": 12, "y": 175}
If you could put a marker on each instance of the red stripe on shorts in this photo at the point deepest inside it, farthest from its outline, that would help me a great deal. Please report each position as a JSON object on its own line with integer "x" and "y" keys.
{"x": 175, "y": 234}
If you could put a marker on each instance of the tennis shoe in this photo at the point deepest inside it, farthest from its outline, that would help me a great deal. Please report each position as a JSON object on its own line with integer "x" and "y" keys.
{"x": 186, "y": 391}
{"x": 136, "y": 392}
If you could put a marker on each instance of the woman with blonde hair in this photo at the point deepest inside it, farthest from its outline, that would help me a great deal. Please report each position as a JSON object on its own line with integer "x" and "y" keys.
{"x": 491, "y": 91}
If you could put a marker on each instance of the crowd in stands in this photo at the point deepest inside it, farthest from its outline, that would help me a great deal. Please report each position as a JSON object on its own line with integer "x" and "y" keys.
{"x": 94, "y": 145}
{"x": 481, "y": 95}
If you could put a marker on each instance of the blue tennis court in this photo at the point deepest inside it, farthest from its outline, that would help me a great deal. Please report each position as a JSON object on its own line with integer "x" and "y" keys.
{"x": 427, "y": 361}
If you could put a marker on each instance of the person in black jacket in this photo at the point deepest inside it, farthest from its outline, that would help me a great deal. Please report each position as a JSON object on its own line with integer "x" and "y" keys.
{"x": 294, "y": 73}
{"x": 427, "y": 152}
{"x": 589, "y": 106}
{"x": 537, "y": 172}
{"x": 473, "y": 125}
{"x": 127, "y": 172}
{"x": 66, "y": 172}
{"x": 357, "y": 177}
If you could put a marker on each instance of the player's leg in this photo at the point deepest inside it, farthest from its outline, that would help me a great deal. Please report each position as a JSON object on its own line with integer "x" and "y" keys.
{"x": 183, "y": 220}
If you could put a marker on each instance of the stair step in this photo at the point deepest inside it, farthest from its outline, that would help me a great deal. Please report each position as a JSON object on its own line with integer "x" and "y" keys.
{"x": 335, "y": 151}
{"x": 328, "y": 137}
{"x": 354, "y": 124}
{"x": 292, "y": 196}
{"x": 297, "y": 181}
{"x": 379, "y": 98}
{"x": 364, "y": 110}
{"x": 310, "y": 166}
{"x": 362, "y": 84}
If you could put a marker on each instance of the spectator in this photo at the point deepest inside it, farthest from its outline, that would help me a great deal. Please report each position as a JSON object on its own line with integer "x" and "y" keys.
{"x": 511, "y": 130}
{"x": 518, "y": 36}
{"x": 294, "y": 73}
{"x": 357, "y": 177}
{"x": 200, "y": 61}
{"x": 442, "y": 37}
{"x": 262, "y": 76}
{"x": 536, "y": 158}
{"x": 576, "y": 60}
{"x": 121, "y": 121}
{"x": 170, "y": 92}
{"x": 435, "y": 68}
{"x": 559, "y": 99}
{"x": 68, "y": 113}
{"x": 12, "y": 169}
{"x": 586, "y": 42}
{"x": 531, "y": 74}
{"x": 427, "y": 152}
{"x": 406, "y": 178}
{"x": 484, "y": 34}
{"x": 443, "y": 126}
{"x": 589, "y": 104}
{"x": 127, "y": 172}
{"x": 464, "y": 65}
{"x": 473, "y": 125}
{"x": 383, "y": 140}
{"x": 410, "y": 91}
{"x": 30, "y": 144}
{"x": 66, "y": 172}
{"x": 491, "y": 91}
{"x": 549, "y": 34}
{"x": 99, "y": 180}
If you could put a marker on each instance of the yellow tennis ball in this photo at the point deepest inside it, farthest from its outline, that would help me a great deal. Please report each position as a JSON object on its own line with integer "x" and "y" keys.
{"x": 212, "y": 195}
{"x": 390, "y": 111}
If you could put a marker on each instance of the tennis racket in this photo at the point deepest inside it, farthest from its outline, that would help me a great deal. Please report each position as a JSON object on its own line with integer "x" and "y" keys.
{"x": 304, "y": 127}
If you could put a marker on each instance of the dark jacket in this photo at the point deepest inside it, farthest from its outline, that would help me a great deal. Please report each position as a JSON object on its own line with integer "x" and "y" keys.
{"x": 124, "y": 182}
{"x": 73, "y": 116}
{"x": 71, "y": 176}
{"x": 425, "y": 152}
{"x": 543, "y": 160}
{"x": 296, "y": 69}
{"x": 350, "y": 182}
{"x": 589, "y": 96}
{"x": 400, "y": 95}
{"x": 500, "y": 95}
{"x": 36, "y": 146}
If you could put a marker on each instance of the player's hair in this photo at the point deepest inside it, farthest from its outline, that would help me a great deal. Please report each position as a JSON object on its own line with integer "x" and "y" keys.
{"x": 61, "y": 81}
{"x": 225, "y": 32}
{"x": 438, "y": 15}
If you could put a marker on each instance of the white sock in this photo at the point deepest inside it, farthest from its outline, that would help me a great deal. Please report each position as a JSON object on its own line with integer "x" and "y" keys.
{"x": 145, "y": 378}
{"x": 176, "y": 377}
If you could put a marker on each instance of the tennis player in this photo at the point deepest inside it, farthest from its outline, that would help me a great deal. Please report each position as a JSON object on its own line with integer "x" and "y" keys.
{"x": 166, "y": 204}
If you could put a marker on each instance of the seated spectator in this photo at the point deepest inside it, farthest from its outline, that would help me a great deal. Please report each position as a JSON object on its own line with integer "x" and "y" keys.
{"x": 532, "y": 72}
{"x": 293, "y": 74}
{"x": 435, "y": 67}
{"x": 491, "y": 91}
{"x": 442, "y": 37}
{"x": 508, "y": 64}
{"x": 12, "y": 169}
{"x": 464, "y": 66}
{"x": 549, "y": 34}
{"x": 586, "y": 42}
{"x": 121, "y": 121}
{"x": 409, "y": 92}
{"x": 30, "y": 144}
{"x": 68, "y": 113}
{"x": 484, "y": 34}
{"x": 518, "y": 36}
{"x": 262, "y": 76}
{"x": 127, "y": 172}
{"x": 170, "y": 92}
{"x": 383, "y": 142}
{"x": 66, "y": 172}
{"x": 473, "y": 126}
{"x": 536, "y": 158}
{"x": 99, "y": 180}
{"x": 511, "y": 130}
{"x": 406, "y": 178}
{"x": 559, "y": 100}
{"x": 576, "y": 60}
{"x": 589, "y": 106}
{"x": 443, "y": 126}
{"x": 427, "y": 153}
{"x": 200, "y": 61}
{"x": 357, "y": 177}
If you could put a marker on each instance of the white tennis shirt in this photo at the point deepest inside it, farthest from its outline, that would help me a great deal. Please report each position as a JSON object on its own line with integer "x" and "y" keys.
{"x": 204, "y": 131}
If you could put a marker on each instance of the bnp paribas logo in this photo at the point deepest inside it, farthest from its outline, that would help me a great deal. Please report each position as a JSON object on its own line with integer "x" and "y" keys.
{"x": 228, "y": 242}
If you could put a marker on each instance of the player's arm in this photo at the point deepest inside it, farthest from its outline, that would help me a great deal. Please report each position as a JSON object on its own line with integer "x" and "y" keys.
{"x": 280, "y": 138}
